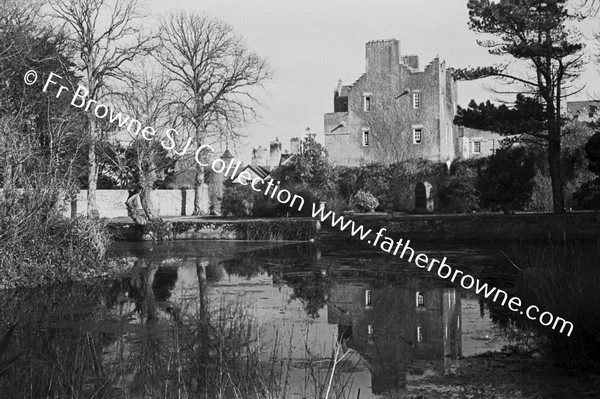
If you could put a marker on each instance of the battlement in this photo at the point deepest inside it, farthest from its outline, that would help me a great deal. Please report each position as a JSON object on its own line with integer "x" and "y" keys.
{"x": 382, "y": 56}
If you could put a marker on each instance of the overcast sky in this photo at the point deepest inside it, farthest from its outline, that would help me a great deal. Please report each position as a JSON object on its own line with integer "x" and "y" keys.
{"x": 310, "y": 44}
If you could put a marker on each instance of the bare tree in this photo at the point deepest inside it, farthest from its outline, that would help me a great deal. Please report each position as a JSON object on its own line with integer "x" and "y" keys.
{"x": 215, "y": 77}
{"x": 107, "y": 36}
{"x": 146, "y": 99}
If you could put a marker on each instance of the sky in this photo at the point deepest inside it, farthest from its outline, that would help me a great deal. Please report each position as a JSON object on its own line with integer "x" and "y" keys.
{"x": 311, "y": 44}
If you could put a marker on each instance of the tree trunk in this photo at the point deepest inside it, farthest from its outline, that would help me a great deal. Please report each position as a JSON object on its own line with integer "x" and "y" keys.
{"x": 555, "y": 171}
{"x": 92, "y": 208}
{"x": 147, "y": 203}
{"x": 149, "y": 305}
{"x": 8, "y": 176}
{"x": 73, "y": 201}
{"x": 203, "y": 310}
{"x": 147, "y": 178}
{"x": 135, "y": 209}
{"x": 198, "y": 183}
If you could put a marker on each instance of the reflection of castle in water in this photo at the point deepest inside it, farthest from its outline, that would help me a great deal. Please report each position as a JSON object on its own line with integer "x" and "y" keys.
{"x": 395, "y": 327}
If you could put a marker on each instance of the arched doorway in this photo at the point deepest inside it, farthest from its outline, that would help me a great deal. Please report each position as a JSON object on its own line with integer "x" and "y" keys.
{"x": 423, "y": 200}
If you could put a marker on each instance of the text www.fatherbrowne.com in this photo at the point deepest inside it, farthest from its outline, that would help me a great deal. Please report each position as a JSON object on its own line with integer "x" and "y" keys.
{"x": 283, "y": 196}
{"x": 444, "y": 270}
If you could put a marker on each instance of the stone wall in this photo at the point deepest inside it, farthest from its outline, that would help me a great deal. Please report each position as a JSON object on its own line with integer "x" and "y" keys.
{"x": 111, "y": 203}
{"x": 488, "y": 227}
{"x": 275, "y": 229}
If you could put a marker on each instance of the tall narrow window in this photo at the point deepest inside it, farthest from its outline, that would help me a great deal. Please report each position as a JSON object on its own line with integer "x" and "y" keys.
{"x": 477, "y": 147}
{"x": 367, "y": 103}
{"x": 367, "y": 298}
{"x": 420, "y": 299}
{"x": 370, "y": 330}
{"x": 419, "y": 334}
{"x": 447, "y": 132}
{"x": 417, "y": 133}
{"x": 365, "y": 138}
{"x": 416, "y": 100}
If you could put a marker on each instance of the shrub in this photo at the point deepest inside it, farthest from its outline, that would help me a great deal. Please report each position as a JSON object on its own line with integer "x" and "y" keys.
{"x": 507, "y": 182}
{"x": 365, "y": 201}
{"x": 541, "y": 194}
{"x": 348, "y": 181}
{"x": 58, "y": 250}
{"x": 374, "y": 178}
{"x": 264, "y": 206}
{"x": 588, "y": 195}
{"x": 39, "y": 246}
{"x": 338, "y": 204}
{"x": 156, "y": 230}
{"x": 237, "y": 201}
{"x": 459, "y": 195}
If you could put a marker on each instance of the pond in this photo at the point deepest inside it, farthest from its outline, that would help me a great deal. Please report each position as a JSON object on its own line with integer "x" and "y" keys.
{"x": 259, "y": 319}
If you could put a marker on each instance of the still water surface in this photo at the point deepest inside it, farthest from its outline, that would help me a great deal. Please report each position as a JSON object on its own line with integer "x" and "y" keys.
{"x": 215, "y": 318}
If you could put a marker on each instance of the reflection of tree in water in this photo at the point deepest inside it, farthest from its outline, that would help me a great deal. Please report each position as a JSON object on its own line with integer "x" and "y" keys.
{"x": 247, "y": 267}
{"x": 312, "y": 289}
{"x": 93, "y": 340}
{"x": 252, "y": 263}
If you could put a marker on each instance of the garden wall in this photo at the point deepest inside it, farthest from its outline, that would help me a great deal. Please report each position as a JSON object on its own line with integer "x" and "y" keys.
{"x": 111, "y": 203}
{"x": 485, "y": 227}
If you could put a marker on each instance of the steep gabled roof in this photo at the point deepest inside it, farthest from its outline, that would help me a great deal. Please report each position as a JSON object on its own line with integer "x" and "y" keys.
{"x": 227, "y": 155}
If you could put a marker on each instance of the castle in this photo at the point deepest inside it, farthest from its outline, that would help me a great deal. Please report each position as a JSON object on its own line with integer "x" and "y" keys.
{"x": 396, "y": 111}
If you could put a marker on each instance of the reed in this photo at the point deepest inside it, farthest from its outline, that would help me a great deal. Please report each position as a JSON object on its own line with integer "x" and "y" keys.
{"x": 194, "y": 348}
{"x": 564, "y": 279}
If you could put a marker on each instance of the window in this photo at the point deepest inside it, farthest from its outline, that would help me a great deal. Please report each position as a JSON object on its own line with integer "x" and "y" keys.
{"x": 419, "y": 334}
{"x": 367, "y": 298}
{"x": 477, "y": 147}
{"x": 420, "y": 299}
{"x": 370, "y": 330}
{"x": 417, "y": 133}
{"x": 451, "y": 299}
{"x": 592, "y": 111}
{"x": 416, "y": 100}
{"x": 367, "y": 103}
{"x": 365, "y": 138}
{"x": 447, "y": 132}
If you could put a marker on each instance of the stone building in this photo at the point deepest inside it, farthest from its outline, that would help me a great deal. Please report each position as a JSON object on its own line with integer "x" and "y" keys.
{"x": 393, "y": 112}
{"x": 396, "y": 111}
{"x": 584, "y": 111}
{"x": 263, "y": 164}
{"x": 275, "y": 157}
{"x": 474, "y": 143}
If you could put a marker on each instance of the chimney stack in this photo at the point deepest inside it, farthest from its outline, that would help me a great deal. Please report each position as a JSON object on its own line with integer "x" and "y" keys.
{"x": 275, "y": 155}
